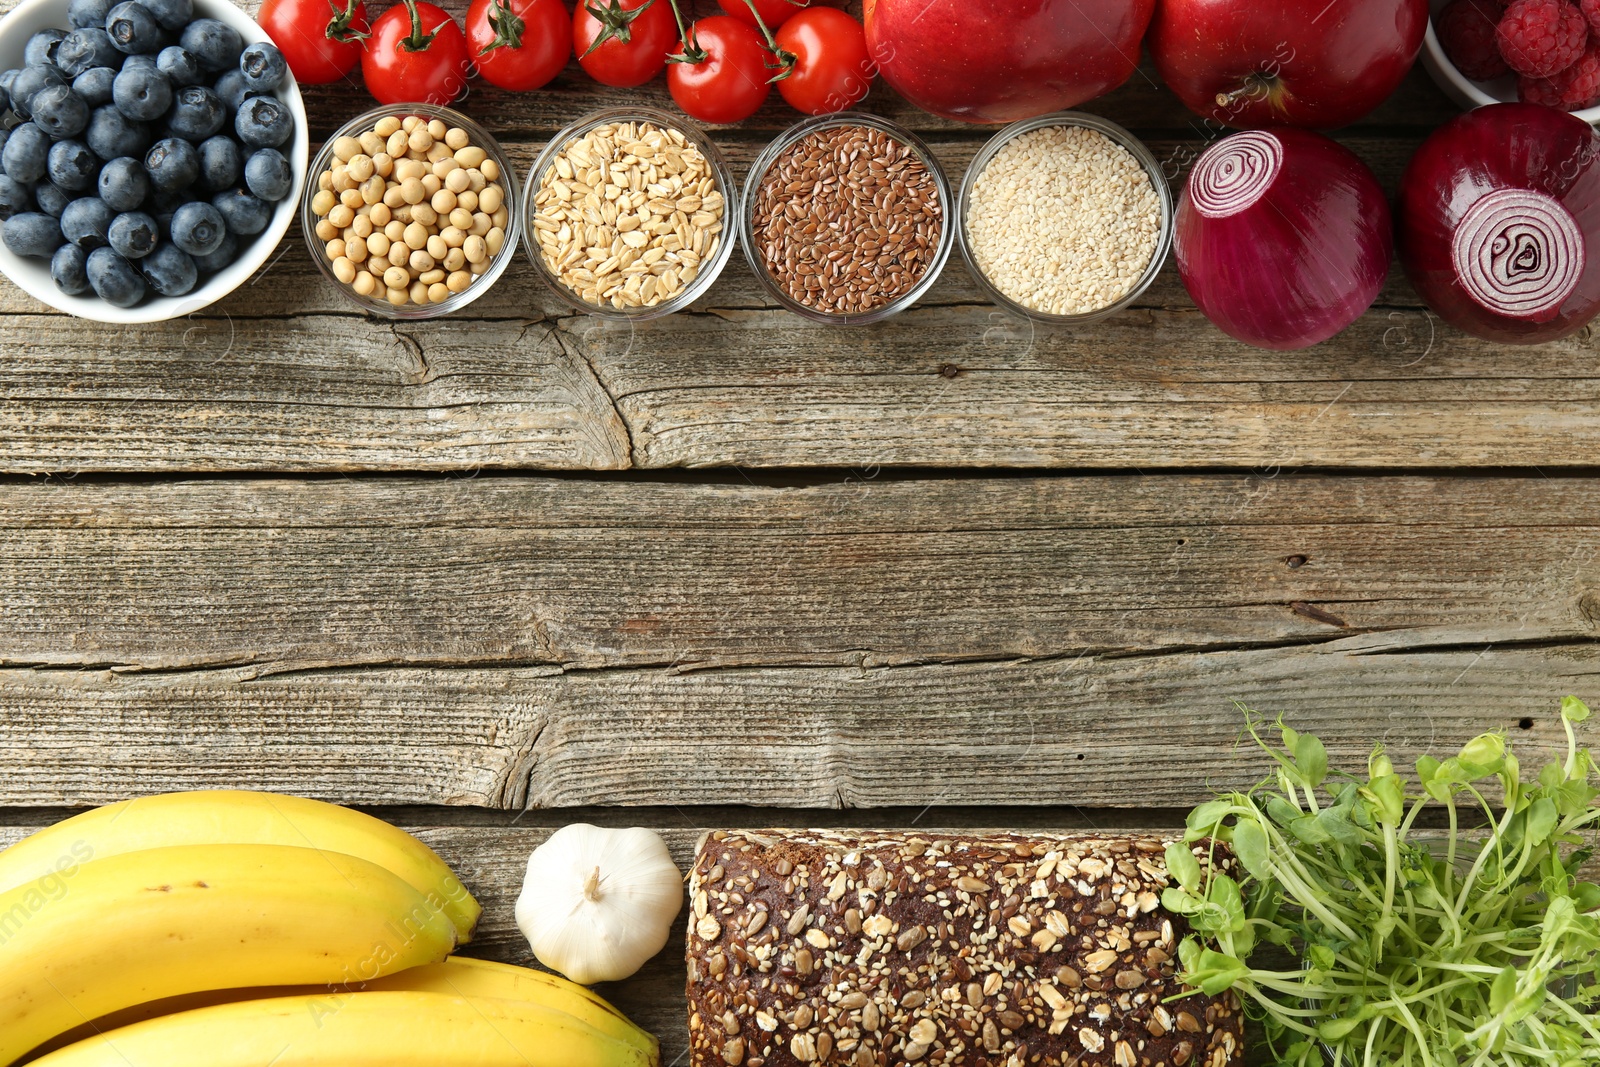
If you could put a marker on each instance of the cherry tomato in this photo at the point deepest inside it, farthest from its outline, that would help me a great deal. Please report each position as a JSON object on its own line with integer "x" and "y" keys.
{"x": 623, "y": 43}
{"x": 416, "y": 52}
{"x": 722, "y": 75}
{"x": 773, "y": 12}
{"x": 832, "y": 69}
{"x": 519, "y": 44}
{"x": 320, "y": 39}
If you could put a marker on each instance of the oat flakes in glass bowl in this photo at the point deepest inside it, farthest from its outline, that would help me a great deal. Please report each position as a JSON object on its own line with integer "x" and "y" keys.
{"x": 1065, "y": 218}
{"x": 646, "y": 188}
{"x": 846, "y": 219}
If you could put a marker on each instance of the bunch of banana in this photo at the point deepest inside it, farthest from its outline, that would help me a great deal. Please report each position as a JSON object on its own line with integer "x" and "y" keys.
{"x": 400, "y": 1029}
{"x": 206, "y": 927}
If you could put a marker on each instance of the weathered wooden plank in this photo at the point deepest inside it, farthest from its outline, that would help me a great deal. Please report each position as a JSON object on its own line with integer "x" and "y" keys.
{"x": 1092, "y": 731}
{"x": 1142, "y": 103}
{"x": 509, "y": 642}
{"x": 310, "y": 392}
{"x": 508, "y": 571}
{"x": 284, "y": 376}
{"x": 491, "y": 862}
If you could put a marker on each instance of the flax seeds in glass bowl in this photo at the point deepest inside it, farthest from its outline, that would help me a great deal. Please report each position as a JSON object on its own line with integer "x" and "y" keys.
{"x": 627, "y": 213}
{"x": 1065, "y": 218}
{"x": 847, "y": 219}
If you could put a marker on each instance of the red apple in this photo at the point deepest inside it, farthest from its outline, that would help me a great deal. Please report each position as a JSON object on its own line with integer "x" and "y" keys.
{"x": 1003, "y": 60}
{"x": 1312, "y": 63}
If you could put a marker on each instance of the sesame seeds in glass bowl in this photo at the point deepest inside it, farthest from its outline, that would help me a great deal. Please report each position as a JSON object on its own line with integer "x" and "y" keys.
{"x": 627, "y": 213}
{"x": 1065, "y": 218}
{"x": 847, "y": 219}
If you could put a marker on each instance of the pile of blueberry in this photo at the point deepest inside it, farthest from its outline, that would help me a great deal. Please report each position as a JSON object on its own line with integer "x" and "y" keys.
{"x": 141, "y": 148}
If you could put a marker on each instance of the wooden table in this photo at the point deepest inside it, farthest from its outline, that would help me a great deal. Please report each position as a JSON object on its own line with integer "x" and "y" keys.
{"x": 497, "y": 573}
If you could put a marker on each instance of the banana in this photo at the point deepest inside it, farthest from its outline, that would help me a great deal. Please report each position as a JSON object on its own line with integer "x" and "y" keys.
{"x": 456, "y": 976}
{"x": 139, "y": 927}
{"x": 462, "y": 977}
{"x": 358, "y": 1030}
{"x": 233, "y": 817}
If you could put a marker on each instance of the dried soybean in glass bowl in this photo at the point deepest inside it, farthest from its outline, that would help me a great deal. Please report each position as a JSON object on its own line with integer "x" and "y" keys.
{"x": 1065, "y": 217}
{"x": 846, "y": 218}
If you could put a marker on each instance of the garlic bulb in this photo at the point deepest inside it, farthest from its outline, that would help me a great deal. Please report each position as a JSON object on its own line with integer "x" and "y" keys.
{"x": 598, "y": 903}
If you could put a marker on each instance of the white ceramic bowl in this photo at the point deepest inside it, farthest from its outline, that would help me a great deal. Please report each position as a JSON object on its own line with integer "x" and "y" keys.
{"x": 1465, "y": 92}
{"x": 33, "y": 275}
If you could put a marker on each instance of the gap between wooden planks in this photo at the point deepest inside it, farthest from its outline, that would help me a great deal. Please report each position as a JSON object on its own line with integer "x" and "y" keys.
{"x": 515, "y": 642}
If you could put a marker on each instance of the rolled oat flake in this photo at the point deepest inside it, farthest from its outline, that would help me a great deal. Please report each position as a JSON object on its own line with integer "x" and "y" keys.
{"x": 847, "y": 220}
{"x": 1064, "y": 220}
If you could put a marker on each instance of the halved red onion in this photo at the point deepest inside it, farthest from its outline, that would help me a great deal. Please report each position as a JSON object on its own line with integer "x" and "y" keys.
{"x": 1499, "y": 212}
{"x": 1283, "y": 237}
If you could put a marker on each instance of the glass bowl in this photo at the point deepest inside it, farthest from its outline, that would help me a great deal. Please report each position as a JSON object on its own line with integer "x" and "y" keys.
{"x": 377, "y": 304}
{"x": 795, "y": 133}
{"x": 32, "y": 276}
{"x": 1121, "y": 137}
{"x": 710, "y": 268}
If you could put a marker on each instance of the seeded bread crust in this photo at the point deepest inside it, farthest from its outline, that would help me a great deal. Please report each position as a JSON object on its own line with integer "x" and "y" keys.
{"x": 1005, "y": 950}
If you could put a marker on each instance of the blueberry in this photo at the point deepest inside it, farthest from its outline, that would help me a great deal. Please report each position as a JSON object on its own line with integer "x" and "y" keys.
{"x": 242, "y": 213}
{"x": 14, "y": 197}
{"x": 26, "y": 156}
{"x": 124, "y": 184}
{"x": 141, "y": 94}
{"x": 53, "y": 199}
{"x": 224, "y": 256}
{"x": 9, "y": 78}
{"x": 197, "y": 113}
{"x": 232, "y": 88}
{"x": 173, "y": 15}
{"x": 268, "y": 174}
{"x": 59, "y": 111}
{"x": 169, "y": 270}
{"x": 133, "y": 28}
{"x": 114, "y": 279}
{"x": 68, "y": 269}
{"x": 134, "y": 234}
{"x": 111, "y": 135}
{"x": 263, "y": 66}
{"x": 220, "y": 167}
{"x": 87, "y": 47}
{"x": 215, "y": 44}
{"x": 180, "y": 66}
{"x": 94, "y": 85}
{"x": 139, "y": 62}
{"x": 87, "y": 222}
{"x": 42, "y": 46}
{"x": 71, "y": 165}
{"x": 198, "y": 228}
{"x": 29, "y": 82}
{"x": 88, "y": 13}
{"x": 32, "y": 234}
{"x": 164, "y": 204}
{"x": 263, "y": 122}
{"x": 172, "y": 164}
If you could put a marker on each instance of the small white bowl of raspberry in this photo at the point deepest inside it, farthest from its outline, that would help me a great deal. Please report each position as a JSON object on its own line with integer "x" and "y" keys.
{"x": 1468, "y": 41}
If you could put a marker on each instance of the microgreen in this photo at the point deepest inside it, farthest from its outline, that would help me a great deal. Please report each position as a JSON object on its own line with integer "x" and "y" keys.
{"x": 1411, "y": 948}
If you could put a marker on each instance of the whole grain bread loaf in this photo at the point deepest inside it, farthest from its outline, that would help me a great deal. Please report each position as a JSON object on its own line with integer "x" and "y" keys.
{"x": 981, "y": 950}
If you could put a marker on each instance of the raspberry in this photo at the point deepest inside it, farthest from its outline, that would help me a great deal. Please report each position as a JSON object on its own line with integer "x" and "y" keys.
{"x": 1539, "y": 38}
{"x": 1466, "y": 30}
{"x": 1591, "y": 11}
{"x": 1574, "y": 89}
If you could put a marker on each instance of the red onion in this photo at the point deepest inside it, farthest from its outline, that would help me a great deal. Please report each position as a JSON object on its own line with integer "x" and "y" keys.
{"x": 1499, "y": 213}
{"x": 1283, "y": 237}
